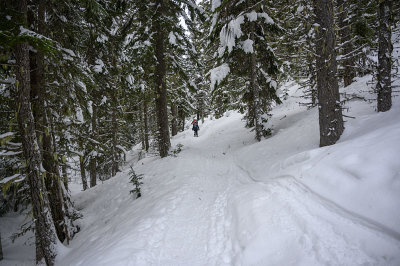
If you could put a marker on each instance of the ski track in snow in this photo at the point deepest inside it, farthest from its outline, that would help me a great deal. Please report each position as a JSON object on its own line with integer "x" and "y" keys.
{"x": 204, "y": 207}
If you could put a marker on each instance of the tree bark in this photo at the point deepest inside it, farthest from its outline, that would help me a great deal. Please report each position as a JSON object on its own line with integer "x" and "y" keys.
{"x": 52, "y": 182}
{"x": 182, "y": 118}
{"x": 44, "y": 227}
{"x": 384, "y": 85}
{"x": 161, "y": 90}
{"x": 345, "y": 41}
{"x": 330, "y": 113}
{"x": 174, "y": 123}
{"x": 44, "y": 129}
{"x": 115, "y": 154}
{"x": 146, "y": 124}
{"x": 141, "y": 120}
{"x": 83, "y": 172}
{"x": 93, "y": 160}
{"x": 92, "y": 171}
{"x": 64, "y": 175}
{"x": 254, "y": 89}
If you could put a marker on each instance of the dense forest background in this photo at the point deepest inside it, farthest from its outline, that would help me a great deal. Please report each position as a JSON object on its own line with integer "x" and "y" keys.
{"x": 82, "y": 82}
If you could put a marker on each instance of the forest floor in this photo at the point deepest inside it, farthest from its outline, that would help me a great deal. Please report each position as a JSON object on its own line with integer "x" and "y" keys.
{"x": 226, "y": 199}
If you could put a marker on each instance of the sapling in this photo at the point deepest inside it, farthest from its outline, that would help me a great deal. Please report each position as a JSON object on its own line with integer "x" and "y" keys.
{"x": 135, "y": 179}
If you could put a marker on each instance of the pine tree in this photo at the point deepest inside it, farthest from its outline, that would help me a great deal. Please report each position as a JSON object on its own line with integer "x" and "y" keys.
{"x": 161, "y": 39}
{"x": 384, "y": 86}
{"x": 251, "y": 57}
{"x": 330, "y": 112}
{"x": 44, "y": 227}
{"x": 346, "y": 46}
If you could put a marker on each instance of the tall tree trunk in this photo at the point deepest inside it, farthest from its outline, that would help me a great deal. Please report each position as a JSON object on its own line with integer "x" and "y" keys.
{"x": 182, "y": 118}
{"x": 64, "y": 175}
{"x": 93, "y": 155}
{"x": 202, "y": 107}
{"x": 254, "y": 89}
{"x": 330, "y": 112}
{"x": 141, "y": 120}
{"x": 146, "y": 123}
{"x": 115, "y": 154}
{"x": 174, "y": 123}
{"x": 83, "y": 172}
{"x": 313, "y": 90}
{"x": 52, "y": 181}
{"x": 161, "y": 90}
{"x": 93, "y": 171}
{"x": 345, "y": 41}
{"x": 384, "y": 85}
{"x": 44, "y": 227}
{"x": 43, "y": 127}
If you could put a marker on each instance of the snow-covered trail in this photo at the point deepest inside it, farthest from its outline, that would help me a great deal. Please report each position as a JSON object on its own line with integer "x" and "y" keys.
{"x": 210, "y": 206}
{"x": 181, "y": 218}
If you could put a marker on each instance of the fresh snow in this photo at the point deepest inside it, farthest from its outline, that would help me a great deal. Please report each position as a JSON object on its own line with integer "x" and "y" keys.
{"x": 6, "y": 135}
{"x": 98, "y": 68}
{"x": 8, "y": 179}
{"x": 248, "y": 46}
{"x": 218, "y": 74}
{"x": 172, "y": 38}
{"x": 226, "y": 199}
{"x": 229, "y": 33}
{"x": 215, "y": 4}
{"x": 252, "y": 16}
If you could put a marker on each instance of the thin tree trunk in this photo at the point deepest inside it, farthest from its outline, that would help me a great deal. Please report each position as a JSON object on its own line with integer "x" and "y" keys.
{"x": 114, "y": 168}
{"x": 312, "y": 71}
{"x": 93, "y": 161}
{"x": 83, "y": 172}
{"x": 174, "y": 123}
{"x": 146, "y": 124}
{"x": 64, "y": 175}
{"x": 45, "y": 130}
{"x": 182, "y": 118}
{"x": 202, "y": 107}
{"x": 254, "y": 86}
{"x": 384, "y": 85}
{"x": 44, "y": 227}
{"x": 93, "y": 171}
{"x": 345, "y": 40}
{"x": 313, "y": 91}
{"x": 141, "y": 120}
{"x": 161, "y": 90}
{"x": 330, "y": 112}
{"x": 52, "y": 181}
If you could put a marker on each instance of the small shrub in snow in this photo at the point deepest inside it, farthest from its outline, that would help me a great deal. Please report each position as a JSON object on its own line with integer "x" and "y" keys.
{"x": 178, "y": 149}
{"x": 135, "y": 179}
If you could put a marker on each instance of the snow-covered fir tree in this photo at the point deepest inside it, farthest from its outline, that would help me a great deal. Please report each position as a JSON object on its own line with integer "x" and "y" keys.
{"x": 243, "y": 30}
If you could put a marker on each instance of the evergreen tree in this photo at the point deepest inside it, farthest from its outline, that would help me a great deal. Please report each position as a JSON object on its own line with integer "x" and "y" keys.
{"x": 346, "y": 46}
{"x": 251, "y": 57}
{"x": 159, "y": 30}
{"x": 44, "y": 227}
{"x": 384, "y": 86}
{"x": 330, "y": 112}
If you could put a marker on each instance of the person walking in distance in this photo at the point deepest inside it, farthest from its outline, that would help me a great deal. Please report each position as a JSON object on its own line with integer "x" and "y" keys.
{"x": 195, "y": 127}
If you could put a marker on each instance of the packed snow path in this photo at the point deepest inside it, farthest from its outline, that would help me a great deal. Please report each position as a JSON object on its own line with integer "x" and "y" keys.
{"x": 217, "y": 203}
